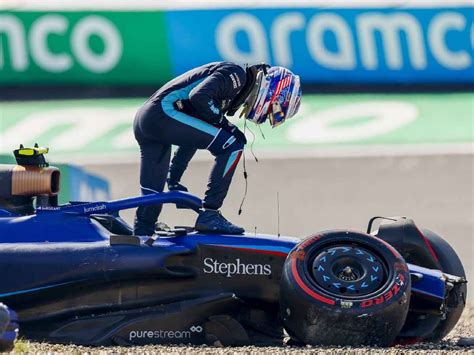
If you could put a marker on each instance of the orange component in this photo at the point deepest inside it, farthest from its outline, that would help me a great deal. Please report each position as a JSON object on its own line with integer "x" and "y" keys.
{"x": 31, "y": 181}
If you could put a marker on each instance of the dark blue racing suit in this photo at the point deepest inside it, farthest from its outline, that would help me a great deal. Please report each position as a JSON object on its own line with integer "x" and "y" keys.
{"x": 189, "y": 112}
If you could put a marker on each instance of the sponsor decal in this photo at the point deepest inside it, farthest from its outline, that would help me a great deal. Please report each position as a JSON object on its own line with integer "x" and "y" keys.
{"x": 235, "y": 80}
{"x": 309, "y": 241}
{"x": 400, "y": 281}
{"x": 38, "y": 48}
{"x": 346, "y": 304}
{"x": 213, "y": 107}
{"x": 165, "y": 334}
{"x": 95, "y": 208}
{"x": 87, "y": 46}
{"x": 179, "y": 105}
{"x": 228, "y": 269}
{"x": 298, "y": 254}
{"x": 48, "y": 208}
{"x": 229, "y": 142}
{"x": 323, "y": 44}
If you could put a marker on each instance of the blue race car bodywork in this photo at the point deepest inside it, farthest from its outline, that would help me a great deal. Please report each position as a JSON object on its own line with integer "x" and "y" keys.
{"x": 75, "y": 273}
{"x": 72, "y": 224}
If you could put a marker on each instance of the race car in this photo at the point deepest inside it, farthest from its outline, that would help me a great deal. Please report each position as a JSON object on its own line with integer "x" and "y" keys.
{"x": 75, "y": 273}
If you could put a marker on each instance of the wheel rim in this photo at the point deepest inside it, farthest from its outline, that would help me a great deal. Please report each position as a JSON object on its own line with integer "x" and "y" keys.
{"x": 348, "y": 271}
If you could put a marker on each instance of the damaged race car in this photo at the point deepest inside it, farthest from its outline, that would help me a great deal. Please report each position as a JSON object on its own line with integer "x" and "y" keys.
{"x": 75, "y": 273}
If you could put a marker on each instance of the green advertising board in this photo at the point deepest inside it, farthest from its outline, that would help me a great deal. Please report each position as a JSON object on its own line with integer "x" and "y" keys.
{"x": 93, "y": 47}
{"x": 93, "y": 43}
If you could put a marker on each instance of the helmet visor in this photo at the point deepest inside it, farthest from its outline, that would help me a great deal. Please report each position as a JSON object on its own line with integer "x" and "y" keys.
{"x": 287, "y": 101}
{"x": 276, "y": 116}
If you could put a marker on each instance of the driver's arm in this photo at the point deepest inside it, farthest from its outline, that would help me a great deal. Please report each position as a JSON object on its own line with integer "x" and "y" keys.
{"x": 223, "y": 84}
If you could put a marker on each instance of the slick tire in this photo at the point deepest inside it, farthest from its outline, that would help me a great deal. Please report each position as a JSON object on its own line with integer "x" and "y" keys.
{"x": 344, "y": 288}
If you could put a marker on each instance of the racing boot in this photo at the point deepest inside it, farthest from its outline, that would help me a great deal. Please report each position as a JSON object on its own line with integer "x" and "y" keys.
{"x": 147, "y": 229}
{"x": 141, "y": 230}
{"x": 161, "y": 227}
{"x": 212, "y": 221}
{"x": 176, "y": 186}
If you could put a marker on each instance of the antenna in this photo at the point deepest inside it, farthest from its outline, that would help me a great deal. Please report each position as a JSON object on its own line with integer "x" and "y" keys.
{"x": 278, "y": 213}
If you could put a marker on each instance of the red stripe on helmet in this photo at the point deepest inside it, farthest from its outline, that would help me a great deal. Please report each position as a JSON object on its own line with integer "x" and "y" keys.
{"x": 275, "y": 94}
{"x": 281, "y": 85}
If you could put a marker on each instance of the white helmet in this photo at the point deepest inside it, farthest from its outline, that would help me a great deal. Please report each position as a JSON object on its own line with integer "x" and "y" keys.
{"x": 276, "y": 95}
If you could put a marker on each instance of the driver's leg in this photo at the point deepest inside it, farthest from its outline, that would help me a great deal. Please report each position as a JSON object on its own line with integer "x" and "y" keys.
{"x": 155, "y": 154}
{"x": 179, "y": 164}
{"x": 155, "y": 132}
{"x": 221, "y": 177}
{"x": 227, "y": 150}
{"x": 155, "y": 158}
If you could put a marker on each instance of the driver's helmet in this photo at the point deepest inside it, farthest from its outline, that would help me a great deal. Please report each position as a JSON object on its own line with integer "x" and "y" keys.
{"x": 276, "y": 96}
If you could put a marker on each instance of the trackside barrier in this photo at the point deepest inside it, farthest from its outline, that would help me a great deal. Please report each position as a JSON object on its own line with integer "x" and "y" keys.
{"x": 378, "y": 44}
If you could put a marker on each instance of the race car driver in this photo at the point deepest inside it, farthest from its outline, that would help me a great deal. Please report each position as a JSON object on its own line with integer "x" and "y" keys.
{"x": 189, "y": 112}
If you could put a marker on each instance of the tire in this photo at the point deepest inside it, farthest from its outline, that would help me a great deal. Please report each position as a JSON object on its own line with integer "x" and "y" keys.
{"x": 344, "y": 288}
{"x": 450, "y": 264}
